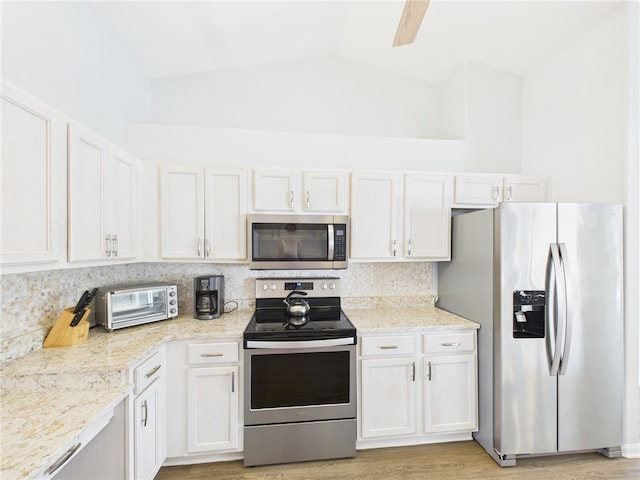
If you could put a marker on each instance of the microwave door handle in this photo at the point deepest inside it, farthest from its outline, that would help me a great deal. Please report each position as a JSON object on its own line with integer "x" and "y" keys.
{"x": 330, "y": 241}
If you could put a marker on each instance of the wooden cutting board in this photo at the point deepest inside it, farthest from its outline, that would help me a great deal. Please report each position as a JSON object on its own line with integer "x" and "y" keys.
{"x": 62, "y": 334}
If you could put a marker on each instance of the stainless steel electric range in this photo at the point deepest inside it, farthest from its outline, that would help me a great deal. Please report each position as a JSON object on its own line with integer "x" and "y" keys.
{"x": 300, "y": 373}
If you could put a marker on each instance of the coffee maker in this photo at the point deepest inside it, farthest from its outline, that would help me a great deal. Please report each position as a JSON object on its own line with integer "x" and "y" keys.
{"x": 208, "y": 297}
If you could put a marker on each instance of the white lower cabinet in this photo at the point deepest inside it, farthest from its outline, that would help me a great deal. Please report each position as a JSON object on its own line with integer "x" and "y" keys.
{"x": 212, "y": 428}
{"x": 204, "y": 402}
{"x": 449, "y": 393}
{"x": 149, "y": 437}
{"x": 388, "y": 397}
{"x": 418, "y": 388}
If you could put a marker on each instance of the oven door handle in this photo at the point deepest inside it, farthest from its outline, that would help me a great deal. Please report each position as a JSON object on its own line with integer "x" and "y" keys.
{"x": 301, "y": 344}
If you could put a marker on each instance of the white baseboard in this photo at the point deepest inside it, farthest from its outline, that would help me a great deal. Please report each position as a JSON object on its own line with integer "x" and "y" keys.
{"x": 631, "y": 450}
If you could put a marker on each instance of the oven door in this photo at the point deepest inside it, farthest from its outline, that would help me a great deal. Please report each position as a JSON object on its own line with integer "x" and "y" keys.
{"x": 299, "y": 382}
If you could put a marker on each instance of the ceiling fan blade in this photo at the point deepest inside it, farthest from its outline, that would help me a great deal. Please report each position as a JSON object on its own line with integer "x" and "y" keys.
{"x": 410, "y": 21}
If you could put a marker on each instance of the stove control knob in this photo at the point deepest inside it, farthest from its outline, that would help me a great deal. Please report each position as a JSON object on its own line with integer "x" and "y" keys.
{"x": 274, "y": 287}
{"x": 324, "y": 286}
{"x": 265, "y": 286}
{"x": 332, "y": 286}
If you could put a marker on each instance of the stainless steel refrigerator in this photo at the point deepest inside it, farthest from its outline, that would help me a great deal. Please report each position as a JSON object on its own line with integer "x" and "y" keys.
{"x": 544, "y": 281}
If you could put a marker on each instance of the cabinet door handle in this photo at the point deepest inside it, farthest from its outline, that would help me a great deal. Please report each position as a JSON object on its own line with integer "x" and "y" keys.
{"x": 214, "y": 354}
{"x": 145, "y": 415}
{"x": 393, "y": 244}
{"x": 207, "y": 248}
{"x": 115, "y": 245}
{"x": 108, "y": 245}
{"x": 291, "y": 198}
{"x": 429, "y": 371}
{"x": 508, "y": 194}
{"x": 151, "y": 372}
{"x": 451, "y": 344}
{"x": 413, "y": 371}
{"x": 233, "y": 382}
{"x": 199, "y": 248}
{"x": 496, "y": 193}
{"x": 307, "y": 200}
{"x": 409, "y": 247}
{"x": 63, "y": 459}
{"x": 388, "y": 347}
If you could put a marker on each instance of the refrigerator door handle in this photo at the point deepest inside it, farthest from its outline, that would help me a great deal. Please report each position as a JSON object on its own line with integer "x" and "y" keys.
{"x": 556, "y": 306}
{"x": 568, "y": 320}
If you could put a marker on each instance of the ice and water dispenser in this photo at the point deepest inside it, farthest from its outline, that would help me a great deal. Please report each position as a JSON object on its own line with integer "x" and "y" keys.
{"x": 529, "y": 313}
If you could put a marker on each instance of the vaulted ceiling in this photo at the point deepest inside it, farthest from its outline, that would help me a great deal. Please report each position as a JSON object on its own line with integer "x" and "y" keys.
{"x": 171, "y": 38}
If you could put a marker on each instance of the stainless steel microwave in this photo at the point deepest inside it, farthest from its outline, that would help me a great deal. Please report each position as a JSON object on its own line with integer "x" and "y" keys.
{"x": 128, "y": 305}
{"x": 293, "y": 242}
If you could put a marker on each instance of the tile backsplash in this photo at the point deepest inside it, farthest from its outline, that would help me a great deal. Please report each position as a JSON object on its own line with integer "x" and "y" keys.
{"x": 31, "y": 302}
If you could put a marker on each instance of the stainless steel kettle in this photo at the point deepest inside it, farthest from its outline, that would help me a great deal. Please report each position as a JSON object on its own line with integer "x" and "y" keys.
{"x": 297, "y": 307}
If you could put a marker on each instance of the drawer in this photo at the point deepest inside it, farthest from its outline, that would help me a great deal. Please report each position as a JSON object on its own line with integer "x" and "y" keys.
{"x": 212, "y": 353}
{"x": 388, "y": 346}
{"x": 449, "y": 342}
{"x": 147, "y": 372}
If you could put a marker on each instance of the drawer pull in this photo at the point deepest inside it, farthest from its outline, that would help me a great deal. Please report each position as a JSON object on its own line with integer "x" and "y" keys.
{"x": 62, "y": 460}
{"x": 208, "y": 355}
{"x": 451, "y": 344}
{"x": 388, "y": 347}
{"x": 152, "y": 372}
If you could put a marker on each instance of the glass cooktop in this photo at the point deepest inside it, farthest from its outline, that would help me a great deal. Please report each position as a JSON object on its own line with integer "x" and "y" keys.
{"x": 320, "y": 323}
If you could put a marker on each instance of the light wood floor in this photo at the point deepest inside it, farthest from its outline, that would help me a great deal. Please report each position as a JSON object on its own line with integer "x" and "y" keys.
{"x": 461, "y": 460}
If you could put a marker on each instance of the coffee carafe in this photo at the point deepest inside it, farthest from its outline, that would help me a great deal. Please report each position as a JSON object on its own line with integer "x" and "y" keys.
{"x": 208, "y": 297}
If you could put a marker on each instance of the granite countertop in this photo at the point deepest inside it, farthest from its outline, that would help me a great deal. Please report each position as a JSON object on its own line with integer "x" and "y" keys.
{"x": 52, "y": 395}
{"x": 405, "y": 320}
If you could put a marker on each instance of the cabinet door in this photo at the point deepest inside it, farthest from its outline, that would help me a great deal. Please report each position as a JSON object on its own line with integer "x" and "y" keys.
{"x": 212, "y": 409}
{"x": 388, "y": 397}
{"x": 87, "y": 196}
{"x": 274, "y": 191}
{"x": 31, "y": 162}
{"x": 427, "y": 216}
{"x": 525, "y": 189}
{"x": 450, "y": 393}
{"x": 324, "y": 192}
{"x": 225, "y": 214}
{"x": 375, "y": 214}
{"x": 148, "y": 432}
{"x": 123, "y": 204}
{"x": 181, "y": 212}
{"x": 477, "y": 190}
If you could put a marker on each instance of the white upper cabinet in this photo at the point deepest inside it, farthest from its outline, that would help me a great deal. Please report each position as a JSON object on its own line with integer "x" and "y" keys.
{"x": 202, "y": 213}
{"x": 524, "y": 188}
{"x": 427, "y": 216}
{"x": 396, "y": 217}
{"x": 483, "y": 190}
{"x": 32, "y": 162}
{"x": 102, "y": 196}
{"x": 376, "y": 210}
{"x": 291, "y": 191}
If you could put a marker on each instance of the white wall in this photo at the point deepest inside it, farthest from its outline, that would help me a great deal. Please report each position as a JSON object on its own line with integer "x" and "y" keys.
{"x": 326, "y": 95}
{"x": 493, "y": 128}
{"x": 574, "y": 117}
{"x": 64, "y": 54}
{"x": 244, "y": 147}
